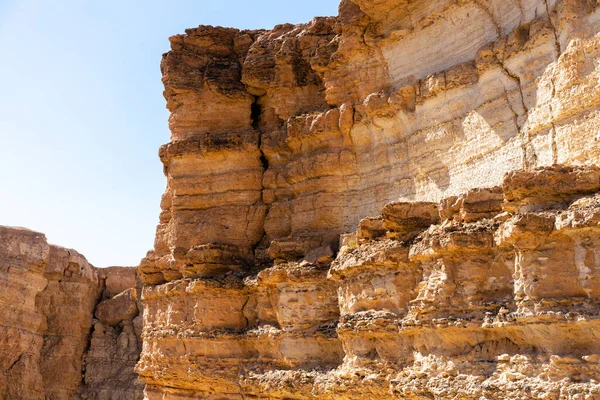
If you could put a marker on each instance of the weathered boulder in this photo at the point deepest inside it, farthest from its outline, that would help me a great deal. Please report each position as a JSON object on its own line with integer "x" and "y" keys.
{"x": 118, "y": 309}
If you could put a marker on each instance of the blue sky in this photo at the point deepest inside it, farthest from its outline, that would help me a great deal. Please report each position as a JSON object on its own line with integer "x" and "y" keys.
{"x": 82, "y": 113}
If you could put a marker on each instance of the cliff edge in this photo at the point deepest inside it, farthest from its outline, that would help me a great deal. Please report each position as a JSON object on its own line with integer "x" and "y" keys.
{"x": 456, "y": 139}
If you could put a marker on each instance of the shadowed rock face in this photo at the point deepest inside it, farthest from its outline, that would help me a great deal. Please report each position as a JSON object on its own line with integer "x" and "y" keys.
{"x": 115, "y": 341}
{"x": 433, "y": 129}
{"x": 50, "y": 347}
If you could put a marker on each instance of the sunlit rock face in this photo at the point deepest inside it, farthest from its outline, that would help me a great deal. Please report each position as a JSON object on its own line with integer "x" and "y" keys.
{"x": 49, "y": 336}
{"x": 48, "y": 297}
{"x": 449, "y": 143}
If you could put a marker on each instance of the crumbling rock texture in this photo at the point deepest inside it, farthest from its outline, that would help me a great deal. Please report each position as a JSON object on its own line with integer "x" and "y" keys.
{"x": 49, "y": 341}
{"x": 491, "y": 294}
{"x": 454, "y": 138}
{"x": 115, "y": 341}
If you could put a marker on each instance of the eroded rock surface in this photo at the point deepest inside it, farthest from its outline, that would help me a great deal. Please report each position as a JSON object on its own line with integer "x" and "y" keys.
{"x": 115, "y": 342}
{"x": 492, "y": 294}
{"x": 432, "y": 129}
{"x": 294, "y": 135}
{"x": 48, "y": 296}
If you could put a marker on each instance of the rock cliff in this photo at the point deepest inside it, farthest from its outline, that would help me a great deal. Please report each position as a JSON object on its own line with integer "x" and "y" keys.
{"x": 52, "y": 347}
{"x": 450, "y": 136}
{"x": 492, "y": 294}
{"x": 398, "y": 202}
{"x": 284, "y": 139}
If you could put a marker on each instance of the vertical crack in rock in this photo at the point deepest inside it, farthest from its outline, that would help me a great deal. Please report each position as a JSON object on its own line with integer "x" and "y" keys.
{"x": 489, "y": 13}
{"x": 556, "y": 41}
{"x": 244, "y": 312}
{"x": 529, "y": 155}
{"x": 256, "y": 116}
{"x": 558, "y": 52}
{"x": 553, "y": 125}
{"x": 512, "y": 109}
{"x": 255, "y": 111}
{"x": 517, "y": 79}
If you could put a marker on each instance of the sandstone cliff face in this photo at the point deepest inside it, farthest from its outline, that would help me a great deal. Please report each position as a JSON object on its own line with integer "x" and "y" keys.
{"x": 284, "y": 139}
{"x": 48, "y": 296}
{"x": 420, "y": 126}
{"x": 490, "y": 294}
{"x": 397, "y": 202}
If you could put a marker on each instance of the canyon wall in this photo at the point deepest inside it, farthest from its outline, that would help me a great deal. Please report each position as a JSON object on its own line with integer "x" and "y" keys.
{"x": 287, "y": 138}
{"x": 371, "y": 205}
{"x": 66, "y": 332}
{"x": 491, "y": 294}
{"x": 398, "y": 202}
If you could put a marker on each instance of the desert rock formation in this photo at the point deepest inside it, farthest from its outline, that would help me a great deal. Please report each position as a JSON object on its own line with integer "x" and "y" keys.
{"x": 283, "y": 139}
{"x": 115, "y": 342}
{"x": 393, "y": 202}
{"x": 402, "y": 201}
{"x": 52, "y": 347}
{"x": 491, "y": 294}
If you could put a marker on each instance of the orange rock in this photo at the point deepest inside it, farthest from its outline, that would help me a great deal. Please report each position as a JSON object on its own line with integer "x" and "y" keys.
{"x": 386, "y": 109}
{"x": 119, "y": 308}
{"x": 400, "y": 201}
{"x": 49, "y": 295}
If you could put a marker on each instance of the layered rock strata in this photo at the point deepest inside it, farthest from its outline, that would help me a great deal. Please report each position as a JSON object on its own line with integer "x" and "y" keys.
{"x": 287, "y": 138}
{"x": 49, "y": 340}
{"x": 491, "y": 294}
{"x": 396, "y": 120}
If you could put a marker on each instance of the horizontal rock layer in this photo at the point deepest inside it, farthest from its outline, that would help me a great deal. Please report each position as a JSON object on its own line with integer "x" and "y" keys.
{"x": 493, "y": 294}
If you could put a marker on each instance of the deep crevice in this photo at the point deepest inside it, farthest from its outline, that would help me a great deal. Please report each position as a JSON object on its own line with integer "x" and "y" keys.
{"x": 255, "y": 111}
{"x": 263, "y": 159}
{"x": 256, "y": 115}
{"x": 88, "y": 339}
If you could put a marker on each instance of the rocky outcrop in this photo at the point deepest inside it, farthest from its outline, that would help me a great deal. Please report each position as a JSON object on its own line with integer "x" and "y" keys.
{"x": 115, "y": 341}
{"x": 396, "y": 120}
{"x": 48, "y": 298}
{"x": 397, "y": 202}
{"x": 500, "y": 306}
{"x": 289, "y": 137}
{"x": 494, "y": 295}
